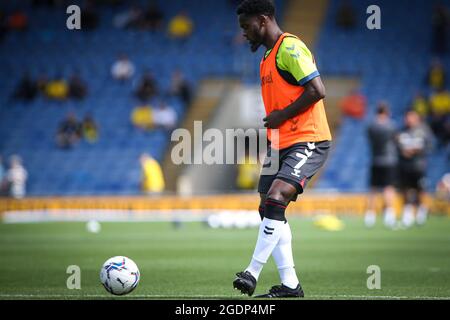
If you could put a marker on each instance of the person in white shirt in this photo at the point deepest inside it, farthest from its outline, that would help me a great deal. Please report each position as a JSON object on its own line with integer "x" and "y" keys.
{"x": 123, "y": 69}
{"x": 17, "y": 177}
{"x": 164, "y": 116}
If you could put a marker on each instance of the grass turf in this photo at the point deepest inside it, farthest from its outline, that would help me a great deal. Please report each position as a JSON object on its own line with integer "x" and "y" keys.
{"x": 196, "y": 262}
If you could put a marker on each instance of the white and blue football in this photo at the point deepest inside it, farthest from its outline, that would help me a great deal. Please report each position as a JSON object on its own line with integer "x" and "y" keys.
{"x": 119, "y": 275}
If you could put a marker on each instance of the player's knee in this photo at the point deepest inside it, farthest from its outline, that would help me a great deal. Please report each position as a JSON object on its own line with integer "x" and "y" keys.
{"x": 280, "y": 195}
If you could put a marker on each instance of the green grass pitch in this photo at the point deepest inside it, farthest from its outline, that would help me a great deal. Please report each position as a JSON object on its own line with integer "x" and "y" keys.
{"x": 196, "y": 262}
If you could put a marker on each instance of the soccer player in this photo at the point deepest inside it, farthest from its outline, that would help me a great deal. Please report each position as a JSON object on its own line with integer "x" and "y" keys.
{"x": 382, "y": 134}
{"x": 292, "y": 92}
{"x": 414, "y": 142}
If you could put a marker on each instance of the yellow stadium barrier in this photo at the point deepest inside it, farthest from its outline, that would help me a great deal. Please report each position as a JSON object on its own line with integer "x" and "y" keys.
{"x": 349, "y": 204}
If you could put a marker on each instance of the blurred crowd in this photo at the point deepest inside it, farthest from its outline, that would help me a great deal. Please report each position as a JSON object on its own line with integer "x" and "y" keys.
{"x": 152, "y": 110}
{"x": 71, "y": 131}
{"x": 57, "y": 88}
{"x": 144, "y": 116}
{"x": 135, "y": 16}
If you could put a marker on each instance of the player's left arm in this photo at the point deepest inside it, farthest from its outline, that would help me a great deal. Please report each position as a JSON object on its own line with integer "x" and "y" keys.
{"x": 296, "y": 59}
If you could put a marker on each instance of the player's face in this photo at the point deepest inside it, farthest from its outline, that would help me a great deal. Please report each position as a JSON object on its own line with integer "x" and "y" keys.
{"x": 252, "y": 29}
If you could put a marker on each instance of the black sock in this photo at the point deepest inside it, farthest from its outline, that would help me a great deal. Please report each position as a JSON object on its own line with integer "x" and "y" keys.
{"x": 275, "y": 210}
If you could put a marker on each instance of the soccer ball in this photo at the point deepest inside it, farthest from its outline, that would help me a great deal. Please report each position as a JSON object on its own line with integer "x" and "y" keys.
{"x": 119, "y": 275}
{"x": 93, "y": 226}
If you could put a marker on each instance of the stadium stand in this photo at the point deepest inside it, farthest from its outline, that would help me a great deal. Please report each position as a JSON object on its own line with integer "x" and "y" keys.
{"x": 111, "y": 165}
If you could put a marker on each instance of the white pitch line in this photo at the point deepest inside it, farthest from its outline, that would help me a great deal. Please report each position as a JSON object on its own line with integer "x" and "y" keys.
{"x": 106, "y": 296}
{"x": 379, "y": 297}
{"x": 211, "y": 296}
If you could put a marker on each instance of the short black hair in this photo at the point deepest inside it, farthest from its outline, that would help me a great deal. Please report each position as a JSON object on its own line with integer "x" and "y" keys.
{"x": 383, "y": 108}
{"x": 256, "y": 7}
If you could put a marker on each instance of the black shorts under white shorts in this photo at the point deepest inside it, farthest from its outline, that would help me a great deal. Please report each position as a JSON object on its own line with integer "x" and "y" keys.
{"x": 297, "y": 165}
{"x": 383, "y": 176}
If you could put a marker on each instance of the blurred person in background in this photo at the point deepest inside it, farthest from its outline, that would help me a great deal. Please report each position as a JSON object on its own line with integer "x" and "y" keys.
{"x": 440, "y": 25}
{"x": 164, "y": 116}
{"x": 153, "y": 17}
{"x": 414, "y": 142}
{"x": 26, "y": 89}
{"x": 147, "y": 87}
{"x": 346, "y": 17}
{"x": 77, "y": 87}
{"x": 17, "y": 21}
{"x": 123, "y": 68}
{"x": 16, "y": 177}
{"x": 436, "y": 78}
{"x": 381, "y": 134}
{"x": 130, "y": 18}
{"x": 354, "y": 104}
{"x": 181, "y": 26}
{"x": 439, "y": 118}
{"x": 142, "y": 117}
{"x": 41, "y": 83}
{"x": 248, "y": 173}
{"x": 90, "y": 129}
{"x": 69, "y": 132}
{"x": 90, "y": 17}
{"x": 443, "y": 187}
{"x": 57, "y": 89}
{"x": 152, "y": 176}
{"x": 180, "y": 87}
{"x": 420, "y": 105}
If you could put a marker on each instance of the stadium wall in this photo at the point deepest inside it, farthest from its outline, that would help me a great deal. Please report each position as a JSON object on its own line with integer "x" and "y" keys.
{"x": 310, "y": 203}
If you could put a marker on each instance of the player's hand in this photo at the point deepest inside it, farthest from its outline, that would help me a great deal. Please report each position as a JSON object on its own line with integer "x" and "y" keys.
{"x": 274, "y": 119}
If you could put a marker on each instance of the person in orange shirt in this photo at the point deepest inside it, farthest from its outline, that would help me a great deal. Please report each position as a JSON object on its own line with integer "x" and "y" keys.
{"x": 299, "y": 138}
{"x": 354, "y": 105}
